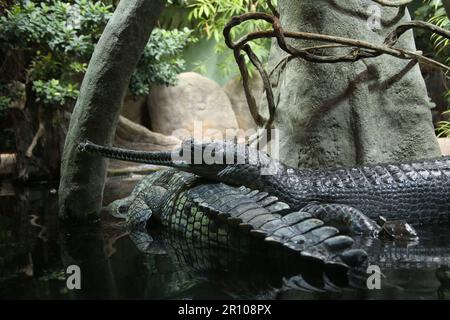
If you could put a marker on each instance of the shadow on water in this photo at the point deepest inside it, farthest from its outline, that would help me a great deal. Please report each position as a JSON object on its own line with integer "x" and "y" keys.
{"x": 35, "y": 251}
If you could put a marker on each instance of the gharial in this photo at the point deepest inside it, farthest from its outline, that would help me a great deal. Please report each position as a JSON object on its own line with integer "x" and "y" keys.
{"x": 252, "y": 274}
{"x": 235, "y": 218}
{"x": 350, "y": 198}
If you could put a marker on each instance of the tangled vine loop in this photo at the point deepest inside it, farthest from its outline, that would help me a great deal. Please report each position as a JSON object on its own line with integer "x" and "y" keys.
{"x": 357, "y": 50}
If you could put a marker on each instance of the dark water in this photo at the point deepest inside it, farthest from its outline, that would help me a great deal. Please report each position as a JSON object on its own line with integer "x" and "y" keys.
{"x": 35, "y": 252}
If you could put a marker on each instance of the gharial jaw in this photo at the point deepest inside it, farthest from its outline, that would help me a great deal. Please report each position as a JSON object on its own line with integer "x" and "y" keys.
{"x": 212, "y": 160}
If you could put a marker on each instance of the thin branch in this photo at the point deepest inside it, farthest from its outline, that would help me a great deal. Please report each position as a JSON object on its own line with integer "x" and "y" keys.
{"x": 273, "y": 9}
{"x": 266, "y": 81}
{"x": 392, "y": 37}
{"x": 279, "y": 63}
{"x": 290, "y": 57}
{"x": 360, "y": 49}
{"x": 393, "y": 3}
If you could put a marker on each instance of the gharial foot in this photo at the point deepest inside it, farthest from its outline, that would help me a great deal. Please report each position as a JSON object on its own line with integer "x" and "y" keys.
{"x": 352, "y": 221}
{"x": 346, "y": 218}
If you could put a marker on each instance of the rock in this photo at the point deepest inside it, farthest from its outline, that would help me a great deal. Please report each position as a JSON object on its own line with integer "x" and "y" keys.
{"x": 195, "y": 101}
{"x": 236, "y": 94}
{"x": 133, "y": 108}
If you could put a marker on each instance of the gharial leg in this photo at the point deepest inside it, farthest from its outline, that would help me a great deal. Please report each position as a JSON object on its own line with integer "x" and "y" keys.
{"x": 119, "y": 208}
{"x": 138, "y": 214}
{"x": 346, "y": 218}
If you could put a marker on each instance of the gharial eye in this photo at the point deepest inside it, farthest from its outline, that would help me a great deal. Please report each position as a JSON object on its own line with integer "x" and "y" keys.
{"x": 123, "y": 208}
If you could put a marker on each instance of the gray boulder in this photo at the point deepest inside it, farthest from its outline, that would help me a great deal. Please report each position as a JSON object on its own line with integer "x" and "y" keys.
{"x": 195, "y": 98}
{"x": 444, "y": 143}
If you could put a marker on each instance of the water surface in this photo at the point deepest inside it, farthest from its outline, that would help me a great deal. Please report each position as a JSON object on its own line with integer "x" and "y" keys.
{"x": 35, "y": 251}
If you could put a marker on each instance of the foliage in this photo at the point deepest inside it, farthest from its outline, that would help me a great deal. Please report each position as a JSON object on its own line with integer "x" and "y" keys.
{"x": 211, "y": 16}
{"x": 160, "y": 62}
{"x": 434, "y": 12}
{"x": 54, "y": 41}
{"x": 441, "y": 44}
{"x": 443, "y": 129}
{"x": 5, "y": 102}
{"x": 10, "y": 93}
{"x": 53, "y": 92}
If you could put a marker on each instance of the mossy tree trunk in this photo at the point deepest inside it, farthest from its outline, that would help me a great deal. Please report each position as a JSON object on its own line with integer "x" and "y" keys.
{"x": 369, "y": 111}
{"x": 98, "y": 107}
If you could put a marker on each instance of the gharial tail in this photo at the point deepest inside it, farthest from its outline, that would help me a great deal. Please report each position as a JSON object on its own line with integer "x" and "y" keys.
{"x": 162, "y": 158}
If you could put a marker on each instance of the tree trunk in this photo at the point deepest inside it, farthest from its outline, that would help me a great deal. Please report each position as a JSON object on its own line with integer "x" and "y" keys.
{"x": 98, "y": 107}
{"x": 344, "y": 114}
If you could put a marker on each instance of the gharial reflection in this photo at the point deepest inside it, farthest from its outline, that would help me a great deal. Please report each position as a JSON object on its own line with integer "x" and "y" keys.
{"x": 36, "y": 251}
